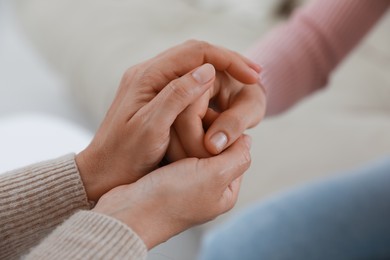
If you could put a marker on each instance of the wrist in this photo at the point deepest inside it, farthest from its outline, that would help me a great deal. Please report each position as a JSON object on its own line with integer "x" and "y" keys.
{"x": 144, "y": 215}
{"x": 89, "y": 176}
{"x": 151, "y": 226}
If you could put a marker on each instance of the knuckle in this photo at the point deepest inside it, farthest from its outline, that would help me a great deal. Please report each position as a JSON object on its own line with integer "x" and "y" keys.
{"x": 236, "y": 123}
{"x": 226, "y": 206}
{"x": 142, "y": 125}
{"x": 246, "y": 158}
{"x": 147, "y": 75}
{"x": 200, "y": 46}
{"x": 248, "y": 162}
{"x": 179, "y": 90}
{"x": 217, "y": 176}
{"x": 230, "y": 205}
{"x": 221, "y": 178}
{"x": 203, "y": 45}
{"x": 191, "y": 42}
{"x": 128, "y": 76}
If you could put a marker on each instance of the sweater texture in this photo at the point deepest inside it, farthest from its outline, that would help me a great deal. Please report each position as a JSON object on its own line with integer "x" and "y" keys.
{"x": 298, "y": 57}
{"x": 50, "y": 195}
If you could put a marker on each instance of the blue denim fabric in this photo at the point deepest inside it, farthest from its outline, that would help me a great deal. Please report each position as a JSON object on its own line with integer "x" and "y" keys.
{"x": 343, "y": 217}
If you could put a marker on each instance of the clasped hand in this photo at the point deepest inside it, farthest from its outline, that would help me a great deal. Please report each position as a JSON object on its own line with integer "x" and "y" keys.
{"x": 162, "y": 108}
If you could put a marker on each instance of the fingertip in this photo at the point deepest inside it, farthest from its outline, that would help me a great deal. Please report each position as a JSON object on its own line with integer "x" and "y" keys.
{"x": 250, "y": 76}
{"x": 204, "y": 73}
{"x": 248, "y": 141}
{"x": 218, "y": 142}
{"x": 257, "y": 67}
{"x": 255, "y": 75}
{"x": 244, "y": 144}
{"x": 210, "y": 147}
{"x": 222, "y": 133}
{"x": 253, "y": 65}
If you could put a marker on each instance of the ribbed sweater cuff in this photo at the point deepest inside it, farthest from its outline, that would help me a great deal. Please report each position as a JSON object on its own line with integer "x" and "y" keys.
{"x": 89, "y": 235}
{"x": 34, "y": 200}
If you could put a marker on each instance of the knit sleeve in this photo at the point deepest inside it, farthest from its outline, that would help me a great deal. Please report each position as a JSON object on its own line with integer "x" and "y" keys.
{"x": 298, "y": 56}
{"x": 89, "y": 235}
{"x": 34, "y": 200}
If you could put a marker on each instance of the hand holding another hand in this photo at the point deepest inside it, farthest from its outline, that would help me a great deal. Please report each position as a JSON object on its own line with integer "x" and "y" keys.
{"x": 217, "y": 119}
{"x": 147, "y": 112}
{"x": 178, "y": 196}
{"x": 135, "y": 134}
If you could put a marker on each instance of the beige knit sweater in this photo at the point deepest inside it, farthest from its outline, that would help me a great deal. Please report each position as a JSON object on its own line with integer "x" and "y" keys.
{"x": 36, "y": 199}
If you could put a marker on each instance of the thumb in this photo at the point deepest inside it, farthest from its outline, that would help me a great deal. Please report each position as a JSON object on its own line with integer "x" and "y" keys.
{"x": 230, "y": 164}
{"x": 179, "y": 94}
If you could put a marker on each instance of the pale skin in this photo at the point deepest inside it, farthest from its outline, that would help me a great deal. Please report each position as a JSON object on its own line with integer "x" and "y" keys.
{"x": 176, "y": 197}
{"x": 148, "y": 118}
{"x": 236, "y": 107}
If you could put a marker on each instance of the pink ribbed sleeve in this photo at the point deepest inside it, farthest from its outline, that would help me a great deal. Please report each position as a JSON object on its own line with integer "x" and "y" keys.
{"x": 298, "y": 57}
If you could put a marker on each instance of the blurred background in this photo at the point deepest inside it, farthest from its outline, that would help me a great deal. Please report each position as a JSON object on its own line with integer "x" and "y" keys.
{"x": 61, "y": 61}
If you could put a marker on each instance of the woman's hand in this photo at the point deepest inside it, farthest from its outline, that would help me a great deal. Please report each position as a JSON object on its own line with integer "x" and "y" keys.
{"x": 178, "y": 196}
{"x": 135, "y": 133}
{"x": 217, "y": 119}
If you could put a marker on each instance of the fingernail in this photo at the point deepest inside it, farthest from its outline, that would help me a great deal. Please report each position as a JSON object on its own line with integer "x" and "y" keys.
{"x": 219, "y": 140}
{"x": 248, "y": 141}
{"x": 204, "y": 74}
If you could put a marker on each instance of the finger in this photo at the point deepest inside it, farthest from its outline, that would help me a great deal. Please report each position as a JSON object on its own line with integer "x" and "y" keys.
{"x": 256, "y": 67}
{"x": 235, "y": 186}
{"x": 189, "y": 127}
{"x": 162, "y": 110}
{"x": 245, "y": 111}
{"x": 209, "y": 118}
{"x": 224, "y": 60}
{"x": 175, "y": 149}
{"x": 229, "y": 165}
{"x": 180, "y": 59}
{"x": 238, "y": 66}
{"x": 231, "y": 194}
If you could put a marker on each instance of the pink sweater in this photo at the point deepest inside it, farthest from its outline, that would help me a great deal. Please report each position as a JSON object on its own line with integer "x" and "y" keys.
{"x": 299, "y": 56}
{"x": 297, "y": 59}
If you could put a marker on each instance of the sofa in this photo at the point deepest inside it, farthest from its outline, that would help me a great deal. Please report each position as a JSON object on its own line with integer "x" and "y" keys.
{"x": 90, "y": 43}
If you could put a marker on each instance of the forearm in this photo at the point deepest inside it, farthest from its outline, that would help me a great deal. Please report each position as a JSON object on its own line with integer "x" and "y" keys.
{"x": 90, "y": 235}
{"x": 34, "y": 200}
{"x": 299, "y": 56}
